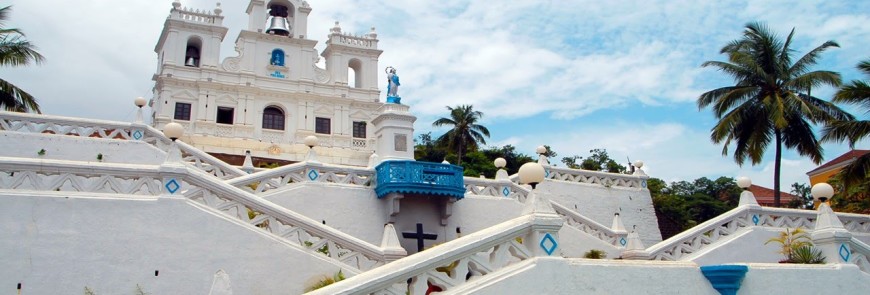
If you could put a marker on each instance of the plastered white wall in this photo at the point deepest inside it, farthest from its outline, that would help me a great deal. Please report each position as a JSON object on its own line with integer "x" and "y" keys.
{"x": 600, "y": 203}
{"x": 59, "y": 245}
{"x": 27, "y": 145}
{"x": 585, "y": 276}
{"x": 747, "y": 246}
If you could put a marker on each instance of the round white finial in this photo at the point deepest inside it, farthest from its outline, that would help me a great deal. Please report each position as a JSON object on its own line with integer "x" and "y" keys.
{"x": 176, "y": 4}
{"x": 311, "y": 141}
{"x": 821, "y": 191}
{"x": 445, "y": 162}
{"x": 541, "y": 150}
{"x": 218, "y": 10}
{"x": 531, "y": 173}
{"x": 499, "y": 162}
{"x": 173, "y": 130}
{"x": 744, "y": 182}
{"x": 139, "y": 101}
{"x": 638, "y": 164}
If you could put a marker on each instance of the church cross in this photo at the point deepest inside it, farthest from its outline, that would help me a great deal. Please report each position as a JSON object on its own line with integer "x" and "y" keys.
{"x": 420, "y": 236}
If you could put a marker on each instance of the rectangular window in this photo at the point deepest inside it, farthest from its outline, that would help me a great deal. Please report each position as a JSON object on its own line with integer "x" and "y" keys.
{"x": 359, "y": 129}
{"x": 322, "y": 125}
{"x": 225, "y": 115}
{"x": 182, "y": 111}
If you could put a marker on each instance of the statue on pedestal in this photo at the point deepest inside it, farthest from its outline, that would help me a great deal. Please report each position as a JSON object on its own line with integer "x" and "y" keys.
{"x": 392, "y": 86}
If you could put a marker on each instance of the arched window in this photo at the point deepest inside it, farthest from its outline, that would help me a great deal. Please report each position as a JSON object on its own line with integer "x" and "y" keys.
{"x": 354, "y": 73}
{"x": 277, "y": 58}
{"x": 192, "y": 53}
{"x": 273, "y": 118}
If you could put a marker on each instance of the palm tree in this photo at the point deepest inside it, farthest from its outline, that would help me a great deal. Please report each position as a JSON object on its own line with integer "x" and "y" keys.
{"x": 16, "y": 51}
{"x": 770, "y": 100}
{"x": 466, "y": 133}
{"x": 856, "y": 92}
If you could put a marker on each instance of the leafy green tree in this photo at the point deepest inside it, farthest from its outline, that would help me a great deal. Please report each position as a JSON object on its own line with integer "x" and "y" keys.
{"x": 770, "y": 100}
{"x": 465, "y": 134}
{"x": 16, "y": 51}
{"x": 857, "y": 92}
{"x": 571, "y": 162}
{"x": 427, "y": 149}
{"x": 853, "y": 198}
{"x": 690, "y": 203}
{"x": 804, "y": 198}
{"x": 601, "y": 161}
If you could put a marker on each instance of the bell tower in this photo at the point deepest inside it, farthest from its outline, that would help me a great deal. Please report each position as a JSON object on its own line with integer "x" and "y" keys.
{"x": 279, "y": 17}
{"x": 346, "y": 52}
{"x": 191, "y": 37}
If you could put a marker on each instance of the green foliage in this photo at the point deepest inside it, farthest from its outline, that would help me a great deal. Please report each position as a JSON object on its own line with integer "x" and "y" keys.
{"x": 326, "y": 281}
{"x": 807, "y": 255}
{"x": 595, "y": 254}
{"x": 770, "y": 101}
{"x": 475, "y": 162}
{"x": 16, "y": 51}
{"x": 270, "y": 165}
{"x": 571, "y": 162}
{"x": 858, "y": 93}
{"x": 854, "y": 198}
{"x": 804, "y": 198}
{"x": 599, "y": 160}
{"x": 100, "y": 157}
{"x": 692, "y": 203}
{"x": 41, "y": 152}
{"x": 88, "y": 291}
{"x": 465, "y": 134}
{"x": 790, "y": 240}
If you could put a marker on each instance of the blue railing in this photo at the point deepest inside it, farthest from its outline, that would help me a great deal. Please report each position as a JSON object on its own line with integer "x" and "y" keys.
{"x": 412, "y": 177}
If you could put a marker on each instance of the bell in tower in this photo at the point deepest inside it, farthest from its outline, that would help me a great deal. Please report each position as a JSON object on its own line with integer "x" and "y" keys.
{"x": 278, "y": 24}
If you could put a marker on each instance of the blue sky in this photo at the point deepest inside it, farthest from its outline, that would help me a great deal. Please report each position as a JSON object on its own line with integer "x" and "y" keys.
{"x": 575, "y": 75}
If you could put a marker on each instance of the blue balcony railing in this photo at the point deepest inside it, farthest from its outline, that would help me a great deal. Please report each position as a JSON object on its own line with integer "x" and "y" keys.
{"x": 412, "y": 177}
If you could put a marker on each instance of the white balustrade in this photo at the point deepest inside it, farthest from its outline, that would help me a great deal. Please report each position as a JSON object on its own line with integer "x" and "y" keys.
{"x": 62, "y": 177}
{"x": 720, "y": 229}
{"x": 495, "y": 188}
{"x": 860, "y": 255}
{"x": 73, "y": 176}
{"x": 589, "y": 226}
{"x": 456, "y": 262}
{"x": 289, "y": 175}
{"x": 44, "y": 124}
{"x": 596, "y": 177}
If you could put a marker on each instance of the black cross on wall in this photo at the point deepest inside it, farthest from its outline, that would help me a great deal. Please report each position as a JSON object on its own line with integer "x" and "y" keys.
{"x": 420, "y": 236}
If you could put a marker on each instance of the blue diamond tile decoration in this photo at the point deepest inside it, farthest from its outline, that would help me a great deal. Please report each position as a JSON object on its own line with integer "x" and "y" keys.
{"x": 845, "y": 253}
{"x": 622, "y": 241}
{"x": 312, "y": 175}
{"x": 506, "y": 191}
{"x": 172, "y": 186}
{"x": 548, "y": 243}
{"x": 643, "y": 183}
{"x": 755, "y": 219}
{"x": 137, "y": 134}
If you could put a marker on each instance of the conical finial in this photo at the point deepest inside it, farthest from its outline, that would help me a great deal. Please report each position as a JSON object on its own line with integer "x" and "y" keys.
{"x": 634, "y": 242}
{"x": 248, "y": 164}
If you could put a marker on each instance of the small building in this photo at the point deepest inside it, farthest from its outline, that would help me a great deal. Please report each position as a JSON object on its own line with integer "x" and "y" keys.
{"x": 764, "y": 196}
{"x": 832, "y": 167}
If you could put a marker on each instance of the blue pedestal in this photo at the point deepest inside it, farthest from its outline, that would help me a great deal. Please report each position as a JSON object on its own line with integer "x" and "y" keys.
{"x": 725, "y": 278}
{"x": 394, "y": 99}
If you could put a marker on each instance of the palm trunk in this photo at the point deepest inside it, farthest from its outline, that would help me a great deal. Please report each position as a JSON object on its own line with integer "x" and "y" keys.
{"x": 459, "y": 152}
{"x": 777, "y": 168}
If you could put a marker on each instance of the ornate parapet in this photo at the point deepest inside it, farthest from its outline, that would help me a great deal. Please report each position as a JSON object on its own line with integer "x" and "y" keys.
{"x": 419, "y": 178}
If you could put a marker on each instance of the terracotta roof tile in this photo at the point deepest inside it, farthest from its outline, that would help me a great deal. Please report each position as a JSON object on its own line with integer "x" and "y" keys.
{"x": 764, "y": 196}
{"x": 842, "y": 158}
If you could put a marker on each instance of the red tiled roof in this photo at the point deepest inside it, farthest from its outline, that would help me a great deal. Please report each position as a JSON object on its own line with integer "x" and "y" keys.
{"x": 842, "y": 158}
{"x": 764, "y": 196}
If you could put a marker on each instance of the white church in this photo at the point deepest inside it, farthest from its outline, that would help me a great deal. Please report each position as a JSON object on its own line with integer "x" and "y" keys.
{"x": 178, "y": 206}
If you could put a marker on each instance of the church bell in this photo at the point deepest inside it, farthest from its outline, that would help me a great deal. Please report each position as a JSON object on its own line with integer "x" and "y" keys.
{"x": 190, "y": 62}
{"x": 279, "y": 26}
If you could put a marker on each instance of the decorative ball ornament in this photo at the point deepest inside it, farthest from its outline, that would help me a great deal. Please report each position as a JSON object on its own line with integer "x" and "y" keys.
{"x": 311, "y": 141}
{"x": 822, "y": 191}
{"x": 638, "y": 164}
{"x": 139, "y": 101}
{"x": 173, "y": 130}
{"x": 541, "y": 150}
{"x": 744, "y": 182}
{"x": 499, "y": 162}
{"x": 531, "y": 173}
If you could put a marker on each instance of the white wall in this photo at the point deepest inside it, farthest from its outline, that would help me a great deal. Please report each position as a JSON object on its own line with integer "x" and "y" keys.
{"x": 600, "y": 203}
{"x": 585, "y": 276}
{"x": 60, "y": 245}
{"x": 27, "y": 145}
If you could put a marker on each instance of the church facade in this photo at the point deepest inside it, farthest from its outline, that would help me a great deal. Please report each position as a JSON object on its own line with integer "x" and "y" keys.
{"x": 270, "y": 94}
